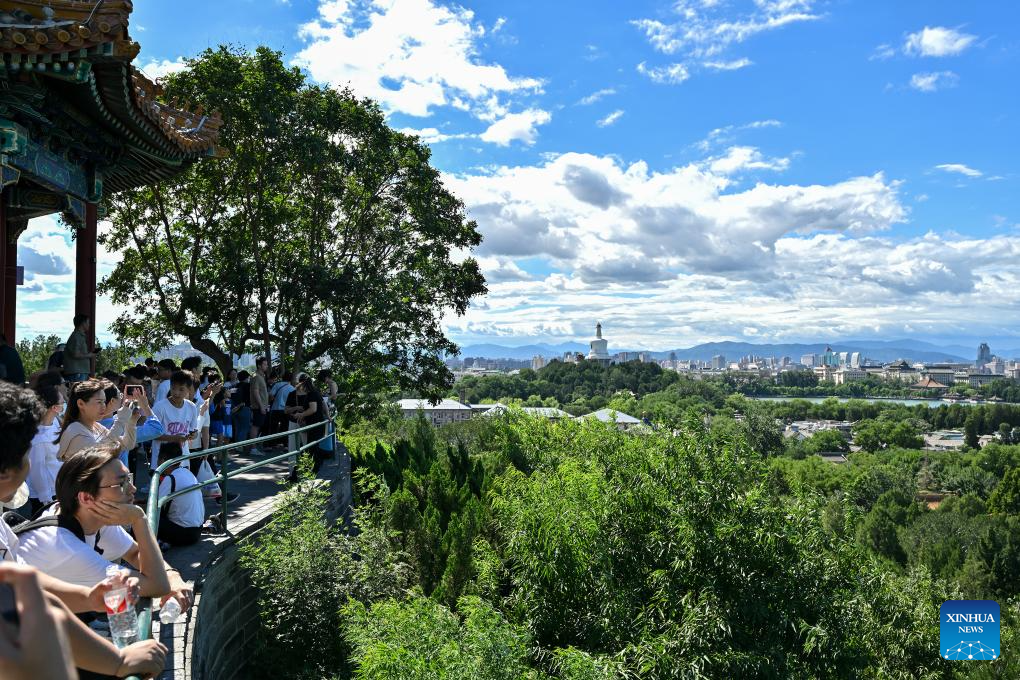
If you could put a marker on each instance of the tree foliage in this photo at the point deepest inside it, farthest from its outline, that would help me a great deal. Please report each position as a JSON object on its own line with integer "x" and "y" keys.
{"x": 323, "y": 233}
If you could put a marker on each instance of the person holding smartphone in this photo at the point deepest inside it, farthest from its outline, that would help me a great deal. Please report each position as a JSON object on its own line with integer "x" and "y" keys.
{"x": 147, "y": 425}
{"x": 179, "y": 415}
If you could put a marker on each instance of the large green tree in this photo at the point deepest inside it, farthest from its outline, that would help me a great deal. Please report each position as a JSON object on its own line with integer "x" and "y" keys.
{"x": 322, "y": 235}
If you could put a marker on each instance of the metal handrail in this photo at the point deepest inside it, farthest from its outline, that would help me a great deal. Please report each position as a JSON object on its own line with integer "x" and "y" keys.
{"x": 155, "y": 503}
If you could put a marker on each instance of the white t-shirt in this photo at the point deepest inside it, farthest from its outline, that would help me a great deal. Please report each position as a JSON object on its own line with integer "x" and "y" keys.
{"x": 45, "y": 465}
{"x": 8, "y": 543}
{"x": 176, "y": 421}
{"x": 187, "y": 510}
{"x": 59, "y": 553}
{"x": 162, "y": 391}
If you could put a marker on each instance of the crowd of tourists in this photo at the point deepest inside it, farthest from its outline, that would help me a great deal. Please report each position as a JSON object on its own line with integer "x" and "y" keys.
{"x": 71, "y": 440}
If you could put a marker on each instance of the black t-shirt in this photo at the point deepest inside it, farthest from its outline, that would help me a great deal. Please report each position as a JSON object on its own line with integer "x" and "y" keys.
{"x": 241, "y": 395}
{"x": 302, "y": 400}
{"x": 56, "y": 360}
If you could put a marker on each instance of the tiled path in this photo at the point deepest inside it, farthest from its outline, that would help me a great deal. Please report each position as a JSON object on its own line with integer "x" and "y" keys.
{"x": 258, "y": 490}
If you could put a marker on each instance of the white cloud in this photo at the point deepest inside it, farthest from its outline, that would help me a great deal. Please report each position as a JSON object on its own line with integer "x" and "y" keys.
{"x": 728, "y": 133}
{"x": 728, "y": 65}
{"x": 673, "y": 74}
{"x": 522, "y": 127}
{"x": 157, "y": 69}
{"x": 46, "y": 303}
{"x": 883, "y": 52}
{"x": 596, "y": 96}
{"x": 431, "y": 135}
{"x": 704, "y": 30}
{"x": 409, "y": 55}
{"x": 937, "y": 41}
{"x": 595, "y": 216}
{"x": 610, "y": 119}
{"x": 931, "y": 82}
{"x": 959, "y": 169}
{"x": 739, "y": 158}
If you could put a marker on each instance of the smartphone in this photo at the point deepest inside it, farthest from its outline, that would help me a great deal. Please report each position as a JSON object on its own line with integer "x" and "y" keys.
{"x": 133, "y": 390}
{"x": 8, "y": 605}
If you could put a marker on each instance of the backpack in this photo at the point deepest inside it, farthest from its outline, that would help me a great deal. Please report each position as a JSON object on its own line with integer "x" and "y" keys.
{"x": 165, "y": 510}
{"x": 65, "y": 522}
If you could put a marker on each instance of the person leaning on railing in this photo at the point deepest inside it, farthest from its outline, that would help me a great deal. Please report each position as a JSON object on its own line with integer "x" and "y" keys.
{"x": 94, "y": 502}
{"x": 47, "y": 631}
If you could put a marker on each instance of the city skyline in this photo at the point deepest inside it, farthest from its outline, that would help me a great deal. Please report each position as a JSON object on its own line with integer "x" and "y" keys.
{"x": 757, "y": 171}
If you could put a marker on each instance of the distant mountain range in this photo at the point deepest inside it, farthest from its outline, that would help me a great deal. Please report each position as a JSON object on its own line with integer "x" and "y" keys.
{"x": 878, "y": 350}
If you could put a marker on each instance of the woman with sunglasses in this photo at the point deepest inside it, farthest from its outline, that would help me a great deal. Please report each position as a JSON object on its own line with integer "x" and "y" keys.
{"x": 81, "y": 428}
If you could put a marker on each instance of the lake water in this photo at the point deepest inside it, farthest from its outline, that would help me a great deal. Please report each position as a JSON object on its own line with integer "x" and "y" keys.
{"x": 930, "y": 403}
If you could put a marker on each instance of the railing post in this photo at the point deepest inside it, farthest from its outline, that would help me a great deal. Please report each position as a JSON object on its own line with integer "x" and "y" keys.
{"x": 223, "y": 491}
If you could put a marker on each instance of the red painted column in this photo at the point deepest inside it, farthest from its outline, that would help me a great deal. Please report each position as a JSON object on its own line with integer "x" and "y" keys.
{"x": 85, "y": 270}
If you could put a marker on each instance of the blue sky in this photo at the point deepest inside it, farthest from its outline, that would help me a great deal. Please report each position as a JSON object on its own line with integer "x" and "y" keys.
{"x": 764, "y": 170}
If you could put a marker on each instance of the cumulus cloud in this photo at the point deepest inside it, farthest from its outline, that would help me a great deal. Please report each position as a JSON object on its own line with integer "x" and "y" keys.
{"x": 39, "y": 257}
{"x": 937, "y": 41}
{"x": 431, "y": 135}
{"x": 932, "y": 82}
{"x": 817, "y": 286}
{"x": 521, "y": 127}
{"x": 156, "y": 69}
{"x": 591, "y": 215}
{"x": 959, "y": 168}
{"x": 610, "y": 119}
{"x": 738, "y": 158}
{"x": 409, "y": 55}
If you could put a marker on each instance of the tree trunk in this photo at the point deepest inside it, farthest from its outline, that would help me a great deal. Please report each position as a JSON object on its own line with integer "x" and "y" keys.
{"x": 224, "y": 361}
{"x": 299, "y": 350}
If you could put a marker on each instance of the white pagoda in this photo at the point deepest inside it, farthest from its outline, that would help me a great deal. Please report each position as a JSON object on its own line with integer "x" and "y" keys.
{"x": 599, "y": 348}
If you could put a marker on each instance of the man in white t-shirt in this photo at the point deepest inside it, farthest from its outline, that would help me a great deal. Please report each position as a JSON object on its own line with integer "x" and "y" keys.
{"x": 178, "y": 414}
{"x": 20, "y": 412}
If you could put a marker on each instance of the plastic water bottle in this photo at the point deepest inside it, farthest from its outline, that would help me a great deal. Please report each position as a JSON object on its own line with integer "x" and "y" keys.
{"x": 120, "y": 609}
{"x": 170, "y": 612}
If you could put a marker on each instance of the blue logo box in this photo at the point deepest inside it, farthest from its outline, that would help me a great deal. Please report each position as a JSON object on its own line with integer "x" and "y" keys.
{"x": 969, "y": 630}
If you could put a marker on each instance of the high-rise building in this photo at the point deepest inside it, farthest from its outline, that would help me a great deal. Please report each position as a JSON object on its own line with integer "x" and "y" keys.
{"x": 808, "y": 360}
{"x": 537, "y": 362}
{"x": 984, "y": 354}
{"x": 718, "y": 362}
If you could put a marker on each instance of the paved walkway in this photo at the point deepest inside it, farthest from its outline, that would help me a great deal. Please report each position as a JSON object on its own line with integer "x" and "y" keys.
{"x": 258, "y": 490}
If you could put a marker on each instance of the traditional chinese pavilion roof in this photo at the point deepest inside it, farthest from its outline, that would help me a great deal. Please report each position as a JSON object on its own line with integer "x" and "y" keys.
{"x": 928, "y": 384}
{"x": 68, "y": 87}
